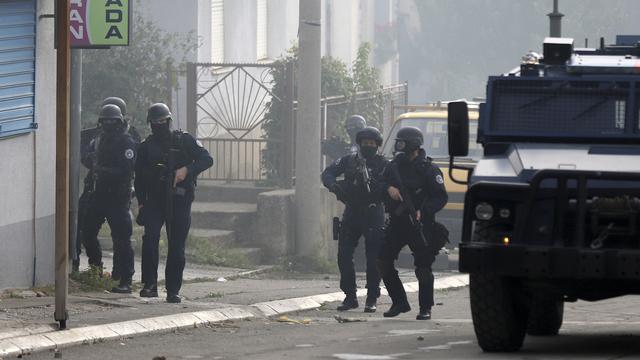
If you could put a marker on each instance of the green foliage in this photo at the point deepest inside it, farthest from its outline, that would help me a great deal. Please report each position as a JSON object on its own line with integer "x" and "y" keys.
{"x": 308, "y": 265}
{"x": 92, "y": 279}
{"x": 359, "y": 86}
{"x": 142, "y": 73}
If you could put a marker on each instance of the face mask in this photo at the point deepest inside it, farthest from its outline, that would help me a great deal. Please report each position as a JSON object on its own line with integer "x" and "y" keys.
{"x": 402, "y": 157}
{"x": 109, "y": 126}
{"x": 161, "y": 130}
{"x": 368, "y": 151}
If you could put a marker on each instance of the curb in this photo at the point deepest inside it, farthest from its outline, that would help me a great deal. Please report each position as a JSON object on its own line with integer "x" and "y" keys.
{"x": 24, "y": 345}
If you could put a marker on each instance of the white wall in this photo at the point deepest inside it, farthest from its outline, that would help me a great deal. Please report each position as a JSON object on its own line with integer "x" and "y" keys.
{"x": 240, "y": 31}
{"x": 27, "y": 190}
{"x": 282, "y": 26}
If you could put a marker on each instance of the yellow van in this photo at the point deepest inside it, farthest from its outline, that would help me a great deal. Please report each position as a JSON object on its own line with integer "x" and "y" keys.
{"x": 432, "y": 120}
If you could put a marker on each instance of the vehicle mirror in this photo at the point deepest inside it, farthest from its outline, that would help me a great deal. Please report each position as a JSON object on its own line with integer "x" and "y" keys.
{"x": 458, "y": 128}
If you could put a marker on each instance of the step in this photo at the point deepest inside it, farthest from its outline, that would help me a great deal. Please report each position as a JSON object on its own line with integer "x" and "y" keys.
{"x": 215, "y": 236}
{"x": 216, "y": 192}
{"x": 238, "y": 217}
{"x": 253, "y": 255}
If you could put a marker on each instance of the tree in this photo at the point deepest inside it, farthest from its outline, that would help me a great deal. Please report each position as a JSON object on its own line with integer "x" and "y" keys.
{"x": 359, "y": 86}
{"x": 141, "y": 73}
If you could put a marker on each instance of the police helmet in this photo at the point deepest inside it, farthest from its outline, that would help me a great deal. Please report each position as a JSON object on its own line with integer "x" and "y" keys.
{"x": 369, "y": 132}
{"x": 355, "y": 123}
{"x": 409, "y": 139}
{"x": 110, "y": 112}
{"x": 116, "y": 101}
{"x": 158, "y": 112}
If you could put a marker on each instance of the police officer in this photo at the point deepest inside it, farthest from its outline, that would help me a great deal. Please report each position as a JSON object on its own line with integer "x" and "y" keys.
{"x": 362, "y": 192}
{"x": 411, "y": 174}
{"x": 87, "y": 191}
{"x": 111, "y": 162}
{"x": 335, "y": 147}
{"x": 166, "y": 170}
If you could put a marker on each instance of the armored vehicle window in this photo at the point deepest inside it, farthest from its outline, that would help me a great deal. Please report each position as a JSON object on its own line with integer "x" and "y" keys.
{"x": 559, "y": 107}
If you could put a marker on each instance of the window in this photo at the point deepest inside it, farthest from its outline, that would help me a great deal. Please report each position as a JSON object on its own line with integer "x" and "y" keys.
{"x": 217, "y": 31}
{"x": 17, "y": 66}
{"x": 261, "y": 30}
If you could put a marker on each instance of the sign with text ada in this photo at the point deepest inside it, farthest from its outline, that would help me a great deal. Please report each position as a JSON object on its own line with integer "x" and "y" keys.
{"x": 99, "y": 23}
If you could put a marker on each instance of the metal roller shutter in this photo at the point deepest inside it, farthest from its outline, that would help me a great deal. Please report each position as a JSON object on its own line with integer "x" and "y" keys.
{"x": 17, "y": 66}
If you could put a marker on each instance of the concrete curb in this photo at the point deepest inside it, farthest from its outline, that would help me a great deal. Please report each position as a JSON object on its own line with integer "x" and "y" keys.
{"x": 23, "y": 345}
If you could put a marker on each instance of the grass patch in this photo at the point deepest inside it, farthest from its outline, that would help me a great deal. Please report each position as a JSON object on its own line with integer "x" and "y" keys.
{"x": 215, "y": 295}
{"x": 91, "y": 280}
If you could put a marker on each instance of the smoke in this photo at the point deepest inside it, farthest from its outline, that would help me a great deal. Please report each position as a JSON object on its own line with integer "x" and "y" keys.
{"x": 448, "y": 48}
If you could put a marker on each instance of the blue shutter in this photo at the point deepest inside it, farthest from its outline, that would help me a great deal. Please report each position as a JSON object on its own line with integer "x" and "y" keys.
{"x": 17, "y": 66}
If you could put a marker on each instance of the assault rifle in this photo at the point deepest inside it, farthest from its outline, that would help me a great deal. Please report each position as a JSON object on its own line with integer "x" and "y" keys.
{"x": 407, "y": 204}
{"x": 364, "y": 171}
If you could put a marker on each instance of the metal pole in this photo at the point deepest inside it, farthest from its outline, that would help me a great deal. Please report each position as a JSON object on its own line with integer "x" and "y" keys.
{"x": 288, "y": 136}
{"x": 192, "y": 99}
{"x": 74, "y": 155}
{"x": 555, "y": 21}
{"x": 63, "y": 66}
{"x": 308, "y": 197}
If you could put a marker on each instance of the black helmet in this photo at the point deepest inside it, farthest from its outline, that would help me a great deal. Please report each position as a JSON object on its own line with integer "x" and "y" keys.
{"x": 409, "y": 139}
{"x": 116, "y": 101}
{"x": 355, "y": 123}
{"x": 157, "y": 112}
{"x": 369, "y": 132}
{"x": 109, "y": 112}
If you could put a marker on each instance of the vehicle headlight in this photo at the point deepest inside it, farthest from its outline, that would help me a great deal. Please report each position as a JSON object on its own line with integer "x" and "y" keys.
{"x": 484, "y": 211}
{"x": 505, "y": 213}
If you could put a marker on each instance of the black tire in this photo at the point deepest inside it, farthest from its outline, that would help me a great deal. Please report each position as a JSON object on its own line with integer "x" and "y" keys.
{"x": 499, "y": 319}
{"x": 545, "y": 317}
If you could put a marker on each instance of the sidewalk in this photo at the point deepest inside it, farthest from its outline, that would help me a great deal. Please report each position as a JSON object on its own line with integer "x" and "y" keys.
{"x": 212, "y": 295}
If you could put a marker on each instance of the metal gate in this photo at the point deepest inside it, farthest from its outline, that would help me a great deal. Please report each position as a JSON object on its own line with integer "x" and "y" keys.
{"x": 227, "y": 104}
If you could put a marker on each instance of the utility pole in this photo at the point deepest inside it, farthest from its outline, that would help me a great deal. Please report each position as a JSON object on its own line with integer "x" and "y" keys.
{"x": 555, "y": 21}
{"x": 308, "y": 197}
{"x": 74, "y": 156}
{"x": 63, "y": 68}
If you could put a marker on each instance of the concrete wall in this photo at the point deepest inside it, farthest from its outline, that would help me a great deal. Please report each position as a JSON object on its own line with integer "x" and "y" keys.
{"x": 275, "y": 227}
{"x": 240, "y": 30}
{"x": 282, "y": 26}
{"x": 27, "y": 209}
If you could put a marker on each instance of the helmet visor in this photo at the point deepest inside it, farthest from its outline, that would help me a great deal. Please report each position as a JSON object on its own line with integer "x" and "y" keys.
{"x": 161, "y": 120}
{"x": 400, "y": 145}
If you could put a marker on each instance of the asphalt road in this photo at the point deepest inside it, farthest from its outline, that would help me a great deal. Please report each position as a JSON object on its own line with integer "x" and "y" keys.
{"x": 602, "y": 330}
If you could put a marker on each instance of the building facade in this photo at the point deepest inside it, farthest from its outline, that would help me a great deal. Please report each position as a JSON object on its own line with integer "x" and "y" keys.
{"x": 27, "y": 143}
{"x": 248, "y": 31}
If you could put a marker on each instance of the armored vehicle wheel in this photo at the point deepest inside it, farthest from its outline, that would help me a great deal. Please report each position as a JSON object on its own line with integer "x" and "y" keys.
{"x": 545, "y": 317}
{"x": 499, "y": 319}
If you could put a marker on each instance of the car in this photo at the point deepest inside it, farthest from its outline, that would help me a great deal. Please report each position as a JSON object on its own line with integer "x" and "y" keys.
{"x": 552, "y": 210}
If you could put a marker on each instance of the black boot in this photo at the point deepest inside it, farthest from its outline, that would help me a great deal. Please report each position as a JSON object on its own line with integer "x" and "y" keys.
{"x": 174, "y": 298}
{"x": 349, "y": 302}
{"x": 424, "y": 314}
{"x": 149, "y": 291}
{"x": 396, "y": 310}
{"x": 123, "y": 288}
{"x": 370, "y": 304}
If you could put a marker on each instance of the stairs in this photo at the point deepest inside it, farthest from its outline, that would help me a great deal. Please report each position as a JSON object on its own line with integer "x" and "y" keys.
{"x": 225, "y": 215}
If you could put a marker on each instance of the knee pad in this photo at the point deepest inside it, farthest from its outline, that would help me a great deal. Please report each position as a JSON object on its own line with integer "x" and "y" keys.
{"x": 423, "y": 274}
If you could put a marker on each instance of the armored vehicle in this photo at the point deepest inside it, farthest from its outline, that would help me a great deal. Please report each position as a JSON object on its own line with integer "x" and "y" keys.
{"x": 551, "y": 214}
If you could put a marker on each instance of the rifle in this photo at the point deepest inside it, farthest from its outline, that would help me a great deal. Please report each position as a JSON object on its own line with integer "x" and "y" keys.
{"x": 170, "y": 191}
{"x": 364, "y": 171}
{"x": 407, "y": 204}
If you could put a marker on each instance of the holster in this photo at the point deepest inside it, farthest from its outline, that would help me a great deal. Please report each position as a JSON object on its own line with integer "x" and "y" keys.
{"x": 337, "y": 226}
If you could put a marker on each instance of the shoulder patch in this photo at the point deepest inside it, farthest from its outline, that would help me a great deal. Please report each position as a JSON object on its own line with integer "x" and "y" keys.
{"x": 439, "y": 179}
{"x": 128, "y": 154}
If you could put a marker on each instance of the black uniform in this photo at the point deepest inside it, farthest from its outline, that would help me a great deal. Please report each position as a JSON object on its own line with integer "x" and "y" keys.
{"x": 110, "y": 159}
{"x": 424, "y": 182}
{"x": 363, "y": 216}
{"x": 151, "y": 191}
